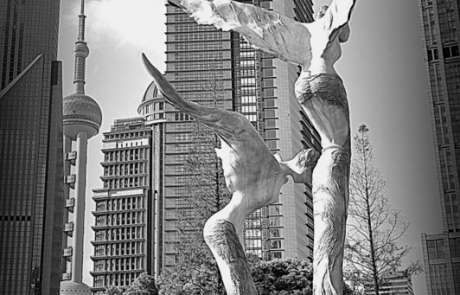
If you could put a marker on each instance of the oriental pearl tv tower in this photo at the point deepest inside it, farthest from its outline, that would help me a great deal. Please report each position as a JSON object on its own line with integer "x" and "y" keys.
{"x": 82, "y": 118}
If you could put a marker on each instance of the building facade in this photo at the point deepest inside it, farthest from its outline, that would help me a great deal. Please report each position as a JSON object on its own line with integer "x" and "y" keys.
{"x": 82, "y": 118}
{"x": 31, "y": 173}
{"x": 440, "y": 22}
{"x": 399, "y": 283}
{"x": 123, "y": 233}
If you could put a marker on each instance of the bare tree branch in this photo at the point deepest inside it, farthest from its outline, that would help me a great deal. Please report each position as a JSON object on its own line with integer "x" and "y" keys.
{"x": 374, "y": 227}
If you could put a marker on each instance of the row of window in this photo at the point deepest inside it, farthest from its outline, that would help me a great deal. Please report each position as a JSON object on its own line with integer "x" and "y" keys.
{"x": 118, "y": 234}
{"x": 209, "y": 78}
{"x": 120, "y": 204}
{"x": 125, "y": 218}
{"x": 129, "y": 248}
{"x": 125, "y": 169}
{"x": 197, "y": 55}
{"x": 197, "y": 46}
{"x": 186, "y": 27}
{"x": 126, "y": 135}
{"x": 204, "y": 66}
{"x": 120, "y": 279}
{"x": 126, "y": 155}
{"x": 118, "y": 264}
{"x": 198, "y": 36}
{"x": 126, "y": 182}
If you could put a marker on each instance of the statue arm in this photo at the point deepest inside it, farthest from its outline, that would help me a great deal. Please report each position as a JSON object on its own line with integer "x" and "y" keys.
{"x": 336, "y": 17}
{"x": 265, "y": 30}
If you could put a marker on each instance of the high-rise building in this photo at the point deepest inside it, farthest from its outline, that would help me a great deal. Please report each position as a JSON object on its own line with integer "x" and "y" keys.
{"x": 31, "y": 173}
{"x": 398, "y": 283}
{"x": 441, "y": 40}
{"x": 82, "y": 119}
{"x": 200, "y": 60}
{"x": 123, "y": 233}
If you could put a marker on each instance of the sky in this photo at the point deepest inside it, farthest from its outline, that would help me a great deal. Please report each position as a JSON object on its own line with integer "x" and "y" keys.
{"x": 381, "y": 65}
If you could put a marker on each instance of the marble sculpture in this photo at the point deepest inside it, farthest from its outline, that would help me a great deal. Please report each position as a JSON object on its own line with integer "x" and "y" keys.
{"x": 252, "y": 173}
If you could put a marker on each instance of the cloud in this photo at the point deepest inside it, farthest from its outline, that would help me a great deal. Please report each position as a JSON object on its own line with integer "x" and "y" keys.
{"x": 134, "y": 22}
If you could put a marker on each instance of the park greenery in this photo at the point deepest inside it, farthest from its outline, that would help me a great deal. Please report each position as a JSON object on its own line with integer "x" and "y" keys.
{"x": 274, "y": 277}
{"x": 143, "y": 285}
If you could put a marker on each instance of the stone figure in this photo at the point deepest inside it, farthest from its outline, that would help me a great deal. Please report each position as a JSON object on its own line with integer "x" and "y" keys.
{"x": 315, "y": 47}
{"x": 252, "y": 174}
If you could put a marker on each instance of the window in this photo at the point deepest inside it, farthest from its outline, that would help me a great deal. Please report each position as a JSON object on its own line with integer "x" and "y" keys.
{"x": 274, "y": 232}
{"x": 276, "y": 255}
{"x": 275, "y": 244}
{"x": 436, "y": 249}
{"x": 432, "y": 54}
{"x": 274, "y": 221}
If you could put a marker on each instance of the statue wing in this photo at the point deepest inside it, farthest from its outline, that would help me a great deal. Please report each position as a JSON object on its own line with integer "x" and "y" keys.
{"x": 223, "y": 122}
{"x": 265, "y": 30}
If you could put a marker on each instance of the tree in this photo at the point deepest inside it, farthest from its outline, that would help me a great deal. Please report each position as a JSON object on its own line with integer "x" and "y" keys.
{"x": 114, "y": 290}
{"x": 143, "y": 285}
{"x": 284, "y": 277}
{"x": 372, "y": 249}
{"x": 196, "y": 271}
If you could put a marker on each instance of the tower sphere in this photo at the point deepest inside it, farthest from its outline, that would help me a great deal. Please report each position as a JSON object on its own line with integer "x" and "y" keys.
{"x": 81, "y": 113}
{"x": 81, "y": 49}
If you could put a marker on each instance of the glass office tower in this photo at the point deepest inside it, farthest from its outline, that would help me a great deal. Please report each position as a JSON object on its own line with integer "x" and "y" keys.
{"x": 31, "y": 162}
{"x": 441, "y": 40}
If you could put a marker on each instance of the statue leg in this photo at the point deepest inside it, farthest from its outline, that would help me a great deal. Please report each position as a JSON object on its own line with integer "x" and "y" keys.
{"x": 221, "y": 237}
{"x": 330, "y": 202}
{"x": 222, "y": 231}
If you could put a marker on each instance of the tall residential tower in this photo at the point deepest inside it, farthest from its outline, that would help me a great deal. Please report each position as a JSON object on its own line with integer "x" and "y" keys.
{"x": 31, "y": 189}
{"x": 441, "y": 40}
{"x": 123, "y": 233}
{"x": 82, "y": 119}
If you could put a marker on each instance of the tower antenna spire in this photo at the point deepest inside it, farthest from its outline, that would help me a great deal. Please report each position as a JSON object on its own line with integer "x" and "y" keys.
{"x": 81, "y": 25}
{"x": 81, "y": 52}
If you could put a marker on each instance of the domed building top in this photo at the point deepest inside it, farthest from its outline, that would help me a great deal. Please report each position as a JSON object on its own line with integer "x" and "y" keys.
{"x": 79, "y": 108}
{"x": 151, "y": 92}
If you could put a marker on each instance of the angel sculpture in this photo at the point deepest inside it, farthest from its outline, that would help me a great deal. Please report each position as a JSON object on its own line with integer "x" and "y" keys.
{"x": 252, "y": 174}
{"x": 315, "y": 47}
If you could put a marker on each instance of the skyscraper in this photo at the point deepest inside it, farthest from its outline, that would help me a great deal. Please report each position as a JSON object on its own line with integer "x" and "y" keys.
{"x": 441, "y": 40}
{"x": 123, "y": 233}
{"x": 31, "y": 189}
{"x": 82, "y": 119}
